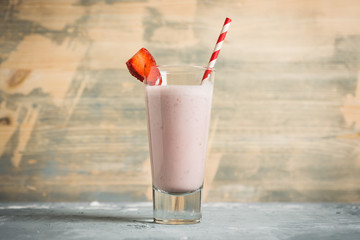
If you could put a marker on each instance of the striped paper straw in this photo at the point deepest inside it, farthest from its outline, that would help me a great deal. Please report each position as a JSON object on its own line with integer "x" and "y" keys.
{"x": 217, "y": 48}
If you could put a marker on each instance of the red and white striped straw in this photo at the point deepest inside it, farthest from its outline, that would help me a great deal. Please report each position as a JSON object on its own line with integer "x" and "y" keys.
{"x": 217, "y": 48}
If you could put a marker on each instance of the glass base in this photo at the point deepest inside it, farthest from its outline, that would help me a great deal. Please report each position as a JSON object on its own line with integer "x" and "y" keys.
{"x": 177, "y": 208}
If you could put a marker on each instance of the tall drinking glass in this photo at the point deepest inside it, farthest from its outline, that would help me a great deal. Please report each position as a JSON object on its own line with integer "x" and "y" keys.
{"x": 178, "y": 117}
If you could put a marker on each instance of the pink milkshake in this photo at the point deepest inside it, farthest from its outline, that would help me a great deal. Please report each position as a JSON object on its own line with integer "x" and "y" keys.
{"x": 178, "y": 124}
{"x": 178, "y": 105}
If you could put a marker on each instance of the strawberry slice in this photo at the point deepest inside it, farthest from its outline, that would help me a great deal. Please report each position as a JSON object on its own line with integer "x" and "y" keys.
{"x": 142, "y": 66}
{"x": 154, "y": 76}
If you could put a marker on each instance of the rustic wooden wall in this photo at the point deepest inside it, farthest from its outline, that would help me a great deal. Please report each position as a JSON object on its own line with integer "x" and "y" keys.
{"x": 286, "y": 116}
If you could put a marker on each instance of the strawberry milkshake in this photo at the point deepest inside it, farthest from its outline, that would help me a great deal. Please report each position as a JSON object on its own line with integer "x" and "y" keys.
{"x": 178, "y": 124}
{"x": 178, "y": 106}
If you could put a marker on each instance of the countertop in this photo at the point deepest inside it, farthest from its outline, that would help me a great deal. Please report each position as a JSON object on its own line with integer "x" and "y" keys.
{"x": 94, "y": 220}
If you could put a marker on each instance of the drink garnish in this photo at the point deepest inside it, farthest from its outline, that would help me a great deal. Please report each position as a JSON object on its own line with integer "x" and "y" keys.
{"x": 143, "y": 66}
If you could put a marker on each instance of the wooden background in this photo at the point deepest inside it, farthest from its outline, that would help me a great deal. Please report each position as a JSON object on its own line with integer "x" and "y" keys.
{"x": 286, "y": 110}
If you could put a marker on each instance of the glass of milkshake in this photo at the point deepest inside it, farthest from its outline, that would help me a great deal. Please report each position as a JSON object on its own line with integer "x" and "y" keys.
{"x": 178, "y": 117}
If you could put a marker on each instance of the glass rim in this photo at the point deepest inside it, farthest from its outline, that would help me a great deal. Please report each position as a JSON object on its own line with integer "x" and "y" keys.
{"x": 194, "y": 67}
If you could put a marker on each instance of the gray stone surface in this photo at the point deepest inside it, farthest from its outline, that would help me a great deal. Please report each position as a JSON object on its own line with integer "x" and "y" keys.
{"x": 220, "y": 221}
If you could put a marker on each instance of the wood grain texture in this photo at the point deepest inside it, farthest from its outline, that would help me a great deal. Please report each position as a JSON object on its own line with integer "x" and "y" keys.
{"x": 286, "y": 108}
